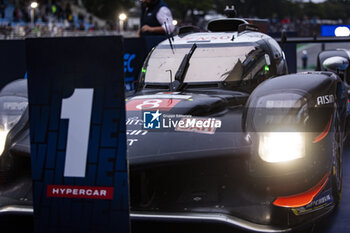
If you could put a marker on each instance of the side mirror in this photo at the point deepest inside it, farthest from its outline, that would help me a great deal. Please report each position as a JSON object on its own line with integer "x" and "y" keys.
{"x": 336, "y": 64}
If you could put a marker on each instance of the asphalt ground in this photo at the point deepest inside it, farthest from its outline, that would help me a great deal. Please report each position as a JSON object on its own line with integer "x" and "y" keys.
{"x": 336, "y": 222}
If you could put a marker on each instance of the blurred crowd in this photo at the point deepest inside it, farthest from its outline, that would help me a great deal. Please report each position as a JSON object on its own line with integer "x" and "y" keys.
{"x": 61, "y": 18}
{"x": 60, "y": 11}
{"x": 55, "y": 19}
{"x": 300, "y": 27}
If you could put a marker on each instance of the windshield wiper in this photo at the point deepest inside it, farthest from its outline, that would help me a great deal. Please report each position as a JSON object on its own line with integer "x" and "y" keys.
{"x": 170, "y": 37}
{"x": 181, "y": 72}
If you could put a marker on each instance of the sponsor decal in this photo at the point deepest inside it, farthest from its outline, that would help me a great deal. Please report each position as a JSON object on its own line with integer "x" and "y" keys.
{"x": 84, "y": 192}
{"x": 326, "y": 99}
{"x": 130, "y": 61}
{"x": 134, "y": 121}
{"x": 136, "y": 132}
{"x": 163, "y": 95}
{"x": 151, "y": 104}
{"x": 131, "y": 141}
{"x": 19, "y": 106}
{"x": 184, "y": 123}
{"x": 128, "y": 58}
{"x": 223, "y": 38}
{"x": 169, "y": 93}
{"x": 320, "y": 202}
{"x": 198, "y": 125}
{"x": 152, "y": 120}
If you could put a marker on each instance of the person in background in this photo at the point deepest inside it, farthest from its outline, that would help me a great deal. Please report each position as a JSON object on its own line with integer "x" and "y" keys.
{"x": 156, "y": 18}
{"x": 2, "y": 9}
{"x": 304, "y": 59}
{"x": 17, "y": 15}
{"x": 68, "y": 12}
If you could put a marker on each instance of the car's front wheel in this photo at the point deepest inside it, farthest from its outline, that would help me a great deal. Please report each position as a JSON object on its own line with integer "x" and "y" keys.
{"x": 337, "y": 168}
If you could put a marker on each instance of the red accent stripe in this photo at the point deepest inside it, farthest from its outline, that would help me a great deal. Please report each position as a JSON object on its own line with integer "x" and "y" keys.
{"x": 302, "y": 199}
{"x": 86, "y": 192}
{"x": 325, "y": 131}
{"x": 164, "y": 105}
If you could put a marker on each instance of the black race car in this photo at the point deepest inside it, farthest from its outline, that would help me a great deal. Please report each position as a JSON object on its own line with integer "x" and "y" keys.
{"x": 230, "y": 138}
{"x": 217, "y": 133}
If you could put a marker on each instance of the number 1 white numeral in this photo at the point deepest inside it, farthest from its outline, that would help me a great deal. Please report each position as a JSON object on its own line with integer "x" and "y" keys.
{"x": 77, "y": 109}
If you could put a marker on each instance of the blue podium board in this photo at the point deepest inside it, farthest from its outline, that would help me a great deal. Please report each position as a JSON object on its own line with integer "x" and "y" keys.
{"x": 78, "y": 134}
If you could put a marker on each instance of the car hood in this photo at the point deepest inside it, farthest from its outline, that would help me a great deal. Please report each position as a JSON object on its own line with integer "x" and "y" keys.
{"x": 152, "y": 147}
{"x": 221, "y": 136}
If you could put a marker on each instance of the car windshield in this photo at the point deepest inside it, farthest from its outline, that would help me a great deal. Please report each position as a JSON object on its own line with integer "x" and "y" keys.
{"x": 209, "y": 63}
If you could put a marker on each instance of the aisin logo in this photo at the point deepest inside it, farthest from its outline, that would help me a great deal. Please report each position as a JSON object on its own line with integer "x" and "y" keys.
{"x": 151, "y": 120}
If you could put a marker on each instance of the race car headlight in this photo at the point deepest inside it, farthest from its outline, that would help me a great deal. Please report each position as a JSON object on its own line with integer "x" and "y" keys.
{"x": 11, "y": 110}
{"x": 3, "y": 136}
{"x": 277, "y": 147}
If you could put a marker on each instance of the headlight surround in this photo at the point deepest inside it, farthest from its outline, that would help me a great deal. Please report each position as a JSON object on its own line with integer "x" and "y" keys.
{"x": 275, "y": 147}
{"x": 11, "y": 110}
{"x": 279, "y": 111}
{"x": 279, "y": 122}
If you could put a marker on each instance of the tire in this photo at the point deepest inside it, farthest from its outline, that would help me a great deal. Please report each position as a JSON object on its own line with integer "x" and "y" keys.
{"x": 6, "y": 169}
{"x": 337, "y": 168}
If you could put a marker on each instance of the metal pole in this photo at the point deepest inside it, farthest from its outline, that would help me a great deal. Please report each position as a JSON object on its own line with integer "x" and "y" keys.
{"x": 32, "y": 16}
{"x": 121, "y": 26}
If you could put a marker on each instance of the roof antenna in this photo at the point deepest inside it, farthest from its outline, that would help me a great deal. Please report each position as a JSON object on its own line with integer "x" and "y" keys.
{"x": 171, "y": 34}
{"x": 230, "y": 12}
{"x": 168, "y": 35}
{"x": 171, "y": 88}
{"x": 283, "y": 39}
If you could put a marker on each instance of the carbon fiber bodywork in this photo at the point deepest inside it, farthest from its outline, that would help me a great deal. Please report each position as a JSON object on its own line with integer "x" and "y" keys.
{"x": 215, "y": 175}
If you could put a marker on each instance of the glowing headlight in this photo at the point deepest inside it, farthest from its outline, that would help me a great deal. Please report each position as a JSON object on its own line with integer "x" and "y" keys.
{"x": 11, "y": 110}
{"x": 3, "y": 135}
{"x": 281, "y": 146}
